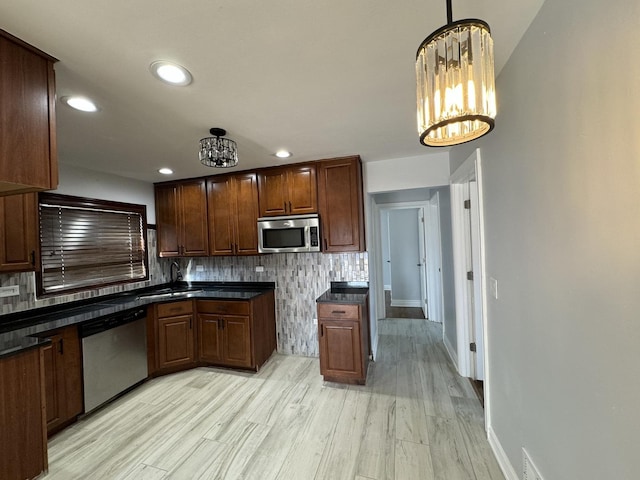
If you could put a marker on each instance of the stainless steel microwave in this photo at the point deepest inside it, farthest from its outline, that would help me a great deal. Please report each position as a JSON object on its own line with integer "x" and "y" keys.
{"x": 293, "y": 233}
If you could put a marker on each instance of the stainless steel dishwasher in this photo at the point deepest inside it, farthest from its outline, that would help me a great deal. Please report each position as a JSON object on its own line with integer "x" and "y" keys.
{"x": 114, "y": 355}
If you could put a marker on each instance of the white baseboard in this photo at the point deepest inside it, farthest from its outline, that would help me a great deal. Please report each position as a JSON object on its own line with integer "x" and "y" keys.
{"x": 405, "y": 303}
{"x": 374, "y": 347}
{"x": 451, "y": 351}
{"x": 501, "y": 456}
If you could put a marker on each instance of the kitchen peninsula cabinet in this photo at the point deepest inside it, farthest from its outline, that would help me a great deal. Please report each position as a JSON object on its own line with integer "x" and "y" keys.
{"x": 23, "y": 436}
{"x": 290, "y": 190}
{"x": 225, "y": 333}
{"x": 28, "y": 154}
{"x": 19, "y": 250}
{"x": 233, "y": 214}
{"x": 181, "y": 218}
{"x": 341, "y": 205}
{"x": 343, "y": 332}
{"x": 63, "y": 378}
{"x": 175, "y": 335}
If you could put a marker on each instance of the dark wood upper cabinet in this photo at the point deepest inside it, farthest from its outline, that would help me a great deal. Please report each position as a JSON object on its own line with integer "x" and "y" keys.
{"x": 181, "y": 219}
{"x": 341, "y": 204}
{"x": 290, "y": 190}
{"x": 233, "y": 214}
{"x": 19, "y": 250}
{"x": 28, "y": 155}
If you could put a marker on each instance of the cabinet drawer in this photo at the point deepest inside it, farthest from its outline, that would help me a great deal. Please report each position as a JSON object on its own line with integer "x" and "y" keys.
{"x": 338, "y": 311}
{"x": 174, "y": 308}
{"x": 222, "y": 307}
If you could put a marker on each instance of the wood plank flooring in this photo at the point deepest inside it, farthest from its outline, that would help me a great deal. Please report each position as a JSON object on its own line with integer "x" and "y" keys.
{"x": 414, "y": 419}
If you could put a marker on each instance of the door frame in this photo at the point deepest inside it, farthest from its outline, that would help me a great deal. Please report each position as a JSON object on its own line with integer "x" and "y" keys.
{"x": 435, "y": 280}
{"x": 470, "y": 170}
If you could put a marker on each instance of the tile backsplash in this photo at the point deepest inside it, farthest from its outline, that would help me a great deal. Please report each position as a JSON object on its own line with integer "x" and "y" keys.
{"x": 299, "y": 277}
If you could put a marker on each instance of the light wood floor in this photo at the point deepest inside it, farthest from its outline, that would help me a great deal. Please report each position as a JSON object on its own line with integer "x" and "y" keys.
{"x": 415, "y": 419}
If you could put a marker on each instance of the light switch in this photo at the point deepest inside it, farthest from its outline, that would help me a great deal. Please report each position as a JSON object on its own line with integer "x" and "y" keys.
{"x": 259, "y": 268}
{"x": 199, "y": 268}
{"x": 10, "y": 291}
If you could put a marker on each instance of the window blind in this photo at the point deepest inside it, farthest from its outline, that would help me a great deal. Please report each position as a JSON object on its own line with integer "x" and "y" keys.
{"x": 90, "y": 246}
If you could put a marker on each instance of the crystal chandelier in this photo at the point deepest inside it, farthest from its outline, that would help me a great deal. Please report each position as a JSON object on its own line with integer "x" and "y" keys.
{"x": 455, "y": 83}
{"x": 217, "y": 151}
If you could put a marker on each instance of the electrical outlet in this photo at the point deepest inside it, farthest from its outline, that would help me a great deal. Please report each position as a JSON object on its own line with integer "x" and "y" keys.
{"x": 259, "y": 268}
{"x": 529, "y": 470}
{"x": 315, "y": 321}
{"x": 10, "y": 291}
{"x": 493, "y": 287}
{"x": 199, "y": 268}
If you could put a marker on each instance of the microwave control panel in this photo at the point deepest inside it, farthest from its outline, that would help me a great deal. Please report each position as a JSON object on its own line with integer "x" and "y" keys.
{"x": 314, "y": 236}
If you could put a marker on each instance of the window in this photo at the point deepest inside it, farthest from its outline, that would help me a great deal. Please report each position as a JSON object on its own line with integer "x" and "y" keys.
{"x": 86, "y": 243}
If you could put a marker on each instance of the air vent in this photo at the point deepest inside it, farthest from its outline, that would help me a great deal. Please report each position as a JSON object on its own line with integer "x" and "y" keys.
{"x": 529, "y": 470}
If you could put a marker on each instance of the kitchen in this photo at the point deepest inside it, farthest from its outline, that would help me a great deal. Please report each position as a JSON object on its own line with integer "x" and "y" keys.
{"x": 333, "y": 79}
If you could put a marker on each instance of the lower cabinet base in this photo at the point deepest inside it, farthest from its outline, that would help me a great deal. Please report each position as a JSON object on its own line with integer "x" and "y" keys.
{"x": 350, "y": 381}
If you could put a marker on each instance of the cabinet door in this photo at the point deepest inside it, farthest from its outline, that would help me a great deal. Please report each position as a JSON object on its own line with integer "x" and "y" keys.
{"x": 28, "y": 151}
{"x": 167, "y": 220}
{"x": 341, "y": 205}
{"x": 246, "y": 217}
{"x": 175, "y": 341}
{"x": 273, "y": 192}
{"x": 210, "y": 338}
{"x": 340, "y": 350}
{"x": 221, "y": 215}
{"x": 54, "y": 382}
{"x": 18, "y": 233}
{"x": 237, "y": 341}
{"x": 194, "y": 235}
{"x": 303, "y": 196}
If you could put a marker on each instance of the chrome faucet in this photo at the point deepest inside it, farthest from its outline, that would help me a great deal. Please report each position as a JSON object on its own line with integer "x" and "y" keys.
{"x": 178, "y": 272}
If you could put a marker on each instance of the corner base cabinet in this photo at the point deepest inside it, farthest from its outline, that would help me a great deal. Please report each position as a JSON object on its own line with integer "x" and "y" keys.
{"x": 343, "y": 331}
{"x": 217, "y": 332}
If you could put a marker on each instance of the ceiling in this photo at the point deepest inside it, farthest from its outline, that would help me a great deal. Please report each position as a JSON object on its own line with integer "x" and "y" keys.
{"x": 320, "y": 79}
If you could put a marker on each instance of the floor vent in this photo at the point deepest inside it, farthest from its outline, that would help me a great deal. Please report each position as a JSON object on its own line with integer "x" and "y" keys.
{"x": 529, "y": 470}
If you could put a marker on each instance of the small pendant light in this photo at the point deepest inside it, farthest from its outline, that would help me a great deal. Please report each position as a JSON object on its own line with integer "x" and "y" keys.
{"x": 455, "y": 83}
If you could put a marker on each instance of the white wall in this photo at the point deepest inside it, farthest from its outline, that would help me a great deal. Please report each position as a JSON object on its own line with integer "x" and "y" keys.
{"x": 403, "y": 242}
{"x": 562, "y": 226}
{"x": 430, "y": 170}
{"x": 448, "y": 284}
{"x": 82, "y": 182}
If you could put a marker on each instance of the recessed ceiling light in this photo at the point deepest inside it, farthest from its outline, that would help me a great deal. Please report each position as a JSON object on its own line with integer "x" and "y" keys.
{"x": 165, "y": 171}
{"x": 171, "y": 73}
{"x": 283, "y": 154}
{"x": 80, "y": 103}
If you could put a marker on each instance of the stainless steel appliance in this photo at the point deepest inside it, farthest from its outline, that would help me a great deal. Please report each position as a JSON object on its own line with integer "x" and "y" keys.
{"x": 295, "y": 233}
{"x": 114, "y": 355}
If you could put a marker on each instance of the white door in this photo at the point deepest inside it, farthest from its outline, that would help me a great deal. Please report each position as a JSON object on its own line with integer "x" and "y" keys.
{"x": 434, "y": 260}
{"x": 422, "y": 261}
{"x": 403, "y": 240}
{"x": 476, "y": 318}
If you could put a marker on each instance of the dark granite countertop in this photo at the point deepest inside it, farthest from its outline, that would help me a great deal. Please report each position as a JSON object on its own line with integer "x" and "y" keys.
{"x": 22, "y": 330}
{"x": 345, "y": 292}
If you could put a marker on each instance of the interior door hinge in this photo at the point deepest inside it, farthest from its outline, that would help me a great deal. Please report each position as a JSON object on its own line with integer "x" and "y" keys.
{"x": 472, "y": 346}
{"x": 467, "y": 204}
{"x": 470, "y": 275}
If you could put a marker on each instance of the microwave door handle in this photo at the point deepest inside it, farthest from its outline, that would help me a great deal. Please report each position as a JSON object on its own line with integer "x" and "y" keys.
{"x": 307, "y": 237}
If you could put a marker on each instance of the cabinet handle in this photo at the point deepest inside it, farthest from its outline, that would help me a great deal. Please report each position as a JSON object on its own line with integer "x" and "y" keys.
{"x": 33, "y": 258}
{"x": 61, "y": 346}
{"x": 322, "y": 330}
{"x": 190, "y": 322}
{"x": 339, "y": 312}
{"x": 222, "y": 323}
{"x": 285, "y": 207}
{"x": 325, "y": 243}
{"x": 290, "y": 209}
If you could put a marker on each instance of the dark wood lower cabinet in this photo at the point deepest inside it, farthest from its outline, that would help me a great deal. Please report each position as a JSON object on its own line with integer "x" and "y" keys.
{"x": 227, "y": 333}
{"x": 63, "y": 378}
{"x": 343, "y": 331}
{"x": 23, "y": 436}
